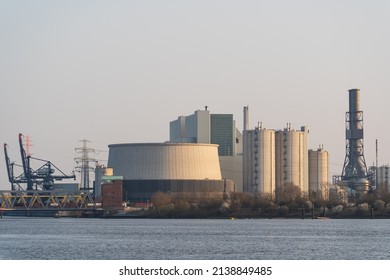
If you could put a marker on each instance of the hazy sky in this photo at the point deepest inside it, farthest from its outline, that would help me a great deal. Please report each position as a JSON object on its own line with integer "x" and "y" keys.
{"x": 120, "y": 71}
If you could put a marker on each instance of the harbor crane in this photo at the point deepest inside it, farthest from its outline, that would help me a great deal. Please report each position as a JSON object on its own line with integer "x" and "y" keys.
{"x": 15, "y": 181}
{"x": 40, "y": 179}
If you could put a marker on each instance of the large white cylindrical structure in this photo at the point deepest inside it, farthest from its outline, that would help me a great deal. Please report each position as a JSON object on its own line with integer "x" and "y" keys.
{"x": 292, "y": 158}
{"x": 165, "y": 161}
{"x": 259, "y": 161}
{"x": 318, "y": 173}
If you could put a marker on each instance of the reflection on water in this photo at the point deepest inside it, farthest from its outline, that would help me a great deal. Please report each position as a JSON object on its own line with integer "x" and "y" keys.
{"x": 67, "y": 238}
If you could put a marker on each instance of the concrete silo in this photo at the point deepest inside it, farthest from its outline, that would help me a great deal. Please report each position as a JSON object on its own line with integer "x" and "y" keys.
{"x": 383, "y": 177}
{"x": 259, "y": 161}
{"x": 292, "y": 158}
{"x": 318, "y": 173}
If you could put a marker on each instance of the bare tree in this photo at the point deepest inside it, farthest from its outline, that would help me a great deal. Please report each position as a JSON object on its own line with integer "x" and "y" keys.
{"x": 382, "y": 192}
{"x": 159, "y": 200}
{"x": 288, "y": 193}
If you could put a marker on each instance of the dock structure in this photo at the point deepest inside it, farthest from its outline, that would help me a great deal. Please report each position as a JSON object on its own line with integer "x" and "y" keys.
{"x": 32, "y": 201}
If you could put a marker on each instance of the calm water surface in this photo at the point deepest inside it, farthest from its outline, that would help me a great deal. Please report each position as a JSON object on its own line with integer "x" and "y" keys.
{"x": 142, "y": 239}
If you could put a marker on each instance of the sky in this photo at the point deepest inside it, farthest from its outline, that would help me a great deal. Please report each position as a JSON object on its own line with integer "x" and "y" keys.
{"x": 120, "y": 71}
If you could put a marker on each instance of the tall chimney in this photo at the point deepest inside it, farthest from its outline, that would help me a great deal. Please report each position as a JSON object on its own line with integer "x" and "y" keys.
{"x": 246, "y": 118}
{"x": 355, "y": 169}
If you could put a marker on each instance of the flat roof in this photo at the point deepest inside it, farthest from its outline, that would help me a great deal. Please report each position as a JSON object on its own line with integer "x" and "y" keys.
{"x": 162, "y": 144}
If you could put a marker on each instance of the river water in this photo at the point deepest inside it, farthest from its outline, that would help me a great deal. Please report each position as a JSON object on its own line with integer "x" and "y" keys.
{"x": 29, "y": 238}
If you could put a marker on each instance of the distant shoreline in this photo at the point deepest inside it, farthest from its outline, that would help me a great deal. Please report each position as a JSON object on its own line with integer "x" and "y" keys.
{"x": 199, "y": 213}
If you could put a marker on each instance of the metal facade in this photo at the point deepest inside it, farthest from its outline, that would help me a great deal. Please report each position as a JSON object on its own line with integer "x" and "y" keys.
{"x": 142, "y": 190}
{"x": 165, "y": 161}
{"x": 355, "y": 173}
{"x": 223, "y": 133}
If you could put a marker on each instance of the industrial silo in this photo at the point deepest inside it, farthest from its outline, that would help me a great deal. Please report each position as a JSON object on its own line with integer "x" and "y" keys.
{"x": 259, "y": 161}
{"x": 292, "y": 158}
{"x": 318, "y": 173}
{"x": 383, "y": 174}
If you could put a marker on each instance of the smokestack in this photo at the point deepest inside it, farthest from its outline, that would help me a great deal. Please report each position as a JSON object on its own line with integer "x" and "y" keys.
{"x": 376, "y": 163}
{"x": 355, "y": 168}
{"x": 354, "y": 109}
{"x": 246, "y": 118}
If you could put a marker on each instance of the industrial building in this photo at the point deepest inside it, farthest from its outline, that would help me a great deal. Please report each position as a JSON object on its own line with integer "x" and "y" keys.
{"x": 291, "y": 157}
{"x": 383, "y": 177}
{"x": 355, "y": 173}
{"x": 223, "y": 132}
{"x": 272, "y": 159}
{"x": 319, "y": 173}
{"x": 112, "y": 192}
{"x": 259, "y": 161}
{"x": 203, "y": 127}
{"x": 194, "y": 128}
{"x": 169, "y": 167}
{"x": 338, "y": 194}
{"x": 219, "y": 129}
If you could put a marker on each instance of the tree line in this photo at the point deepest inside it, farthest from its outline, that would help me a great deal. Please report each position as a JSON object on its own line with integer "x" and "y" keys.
{"x": 288, "y": 201}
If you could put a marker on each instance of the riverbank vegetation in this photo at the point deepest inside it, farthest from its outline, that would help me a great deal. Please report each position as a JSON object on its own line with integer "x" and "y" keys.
{"x": 288, "y": 203}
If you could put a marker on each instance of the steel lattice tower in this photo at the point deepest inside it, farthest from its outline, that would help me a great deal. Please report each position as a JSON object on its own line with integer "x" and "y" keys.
{"x": 354, "y": 172}
{"x": 83, "y": 164}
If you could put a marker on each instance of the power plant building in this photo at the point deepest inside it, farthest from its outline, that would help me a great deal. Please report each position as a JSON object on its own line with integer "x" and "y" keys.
{"x": 191, "y": 129}
{"x": 219, "y": 129}
{"x": 203, "y": 127}
{"x": 291, "y": 156}
{"x": 168, "y": 167}
{"x": 318, "y": 173}
{"x": 223, "y": 133}
{"x": 259, "y": 162}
